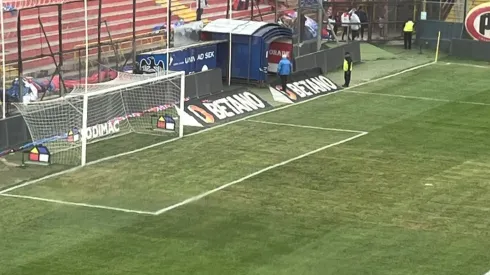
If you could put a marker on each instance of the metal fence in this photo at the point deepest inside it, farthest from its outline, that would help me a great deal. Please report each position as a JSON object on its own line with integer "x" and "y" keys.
{"x": 328, "y": 59}
{"x": 447, "y": 11}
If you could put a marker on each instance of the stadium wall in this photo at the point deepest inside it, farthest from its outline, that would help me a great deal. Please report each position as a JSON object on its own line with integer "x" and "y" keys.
{"x": 470, "y": 49}
{"x": 203, "y": 83}
{"x": 454, "y": 40}
{"x": 328, "y": 59}
{"x": 427, "y": 31}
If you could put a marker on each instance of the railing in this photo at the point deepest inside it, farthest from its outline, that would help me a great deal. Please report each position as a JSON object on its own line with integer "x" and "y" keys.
{"x": 448, "y": 10}
{"x": 121, "y": 44}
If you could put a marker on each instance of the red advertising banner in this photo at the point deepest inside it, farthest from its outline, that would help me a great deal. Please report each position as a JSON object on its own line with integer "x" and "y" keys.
{"x": 276, "y": 50}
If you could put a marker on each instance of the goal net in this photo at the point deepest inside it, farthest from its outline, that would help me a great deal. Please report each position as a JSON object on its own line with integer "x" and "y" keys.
{"x": 67, "y": 124}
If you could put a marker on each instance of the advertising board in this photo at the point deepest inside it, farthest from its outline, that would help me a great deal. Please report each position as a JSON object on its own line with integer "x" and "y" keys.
{"x": 189, "y": 59}
{"x": 225, "y": 106}
{"x": 477, "y": 22}
{"x": 276, "y": 50}
{"x": 303, "y": 85}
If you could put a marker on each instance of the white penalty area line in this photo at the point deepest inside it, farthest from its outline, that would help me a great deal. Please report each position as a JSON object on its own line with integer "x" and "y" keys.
{"x": 205, "y": 194}
{"x": 420, "y": 98}
{"x": 468, "y": 65}
{"x": 79, "y": 204}
{"x": 305, "y": 126}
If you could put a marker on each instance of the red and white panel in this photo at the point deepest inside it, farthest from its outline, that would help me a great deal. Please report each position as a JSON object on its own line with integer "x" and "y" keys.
{"x": 276, "y": 50}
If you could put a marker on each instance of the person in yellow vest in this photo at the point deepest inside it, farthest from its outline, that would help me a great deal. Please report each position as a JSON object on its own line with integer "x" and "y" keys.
{"x": 347, "y": 69}
{"x": 407, "y": 34}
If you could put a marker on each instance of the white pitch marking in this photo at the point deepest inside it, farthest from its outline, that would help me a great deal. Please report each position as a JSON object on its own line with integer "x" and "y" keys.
{"x": 488, "y": 273}
{"x": 79, "y": 204}
{"x": 205, "y": 194}
{"x": 213, "y": 128}
{"x": 420, "y": 98}
{"x": 78, "y": 167}
{"x": 470, "y": 65}
{"x": 429, "y": 184}
{"x": 305, "y": 126}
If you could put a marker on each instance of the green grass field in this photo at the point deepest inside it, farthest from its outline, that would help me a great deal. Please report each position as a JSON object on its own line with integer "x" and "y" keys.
{"x": 302, "y": 190}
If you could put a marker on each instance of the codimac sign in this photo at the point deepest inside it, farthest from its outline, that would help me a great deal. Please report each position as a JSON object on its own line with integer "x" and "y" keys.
{"x": 303, "y": 85}
{"x": 477, "y": 22}
{"x": 224, "y": 107}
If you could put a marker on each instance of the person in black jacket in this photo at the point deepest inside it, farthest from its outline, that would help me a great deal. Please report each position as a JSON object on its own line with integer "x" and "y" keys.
{"x": 364, "y": 20}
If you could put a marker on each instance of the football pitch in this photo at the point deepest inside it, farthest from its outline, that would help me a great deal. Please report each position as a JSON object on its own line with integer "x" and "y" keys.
{"x": 390, "y": 177}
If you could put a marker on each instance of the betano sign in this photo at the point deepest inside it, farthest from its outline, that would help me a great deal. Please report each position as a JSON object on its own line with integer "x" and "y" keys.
{"x": 477, "y": 22}
{"x": 303, "y": 85}
{"x": 224, "y": 106}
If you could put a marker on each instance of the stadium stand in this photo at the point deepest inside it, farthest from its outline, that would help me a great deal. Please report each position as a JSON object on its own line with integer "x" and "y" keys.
{"x": 118, "y": 15}
{"x": 455, "y": 9}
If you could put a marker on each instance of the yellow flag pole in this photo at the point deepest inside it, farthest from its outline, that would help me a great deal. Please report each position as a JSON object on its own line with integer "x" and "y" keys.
{"x": 437, "y": 47}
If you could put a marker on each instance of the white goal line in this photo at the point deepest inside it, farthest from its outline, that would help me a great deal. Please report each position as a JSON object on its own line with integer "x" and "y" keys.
{"x": 79, "y": 204}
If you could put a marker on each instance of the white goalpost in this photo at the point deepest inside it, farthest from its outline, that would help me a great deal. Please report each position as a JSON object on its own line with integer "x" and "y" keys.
{"x": 92, "y": 113}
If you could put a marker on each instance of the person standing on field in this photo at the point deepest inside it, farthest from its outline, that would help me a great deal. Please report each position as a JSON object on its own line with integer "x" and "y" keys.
{"x": 284, "y": 69}
{"x": 407, "y": 34}
{"x": 347, "y": 69}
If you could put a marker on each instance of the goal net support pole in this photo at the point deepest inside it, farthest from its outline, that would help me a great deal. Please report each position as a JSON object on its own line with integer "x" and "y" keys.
{"x": 4, "y": 97}
{"x": 181, "y": 102}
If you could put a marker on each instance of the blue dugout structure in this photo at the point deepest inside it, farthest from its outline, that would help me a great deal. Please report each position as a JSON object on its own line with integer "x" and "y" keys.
{"x": 249, "y": 46}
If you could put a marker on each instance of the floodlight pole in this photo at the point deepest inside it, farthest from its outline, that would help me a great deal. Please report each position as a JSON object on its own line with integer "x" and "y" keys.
{"x": 85, "y": 95}
{"x": 60, "y": 44}
{"x": 99, "y": 47}
{"x": 4, "y": 97}
{"x": 20, "y": 69}
{"x": 134, "y": 35}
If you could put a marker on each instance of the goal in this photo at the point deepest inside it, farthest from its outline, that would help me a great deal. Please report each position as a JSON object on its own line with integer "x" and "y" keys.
{"x": 66, "y": 125}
